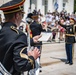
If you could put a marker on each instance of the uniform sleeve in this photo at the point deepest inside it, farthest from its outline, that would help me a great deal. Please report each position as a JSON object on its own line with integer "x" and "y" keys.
{"x": 32, "y": 42}
{"x": 21, "y": 61}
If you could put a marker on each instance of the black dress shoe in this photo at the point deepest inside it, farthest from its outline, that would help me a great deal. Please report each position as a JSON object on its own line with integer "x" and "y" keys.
{"x": 70, "y": 63}
{"x": 40, "y": 70}
{"x": 67, "y": 62}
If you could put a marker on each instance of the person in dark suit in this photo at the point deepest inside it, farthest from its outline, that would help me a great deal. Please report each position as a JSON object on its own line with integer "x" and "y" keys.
{"x": 69, "y": 40}
{"x": 36, "y": 29}
{"x": 13, "y": 42}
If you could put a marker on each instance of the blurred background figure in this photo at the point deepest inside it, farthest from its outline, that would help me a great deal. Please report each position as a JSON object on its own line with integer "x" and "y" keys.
{"x": 36, "y": 29}
{"x": 69, "y": 40}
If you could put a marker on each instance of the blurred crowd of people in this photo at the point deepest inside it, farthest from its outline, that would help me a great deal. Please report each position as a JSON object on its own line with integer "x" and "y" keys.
{"x": 49, "y": 22}
{"x": 52, "y": 20}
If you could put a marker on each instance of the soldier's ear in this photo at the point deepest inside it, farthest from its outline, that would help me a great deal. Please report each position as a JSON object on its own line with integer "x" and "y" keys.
{"x": 16, "y": 15}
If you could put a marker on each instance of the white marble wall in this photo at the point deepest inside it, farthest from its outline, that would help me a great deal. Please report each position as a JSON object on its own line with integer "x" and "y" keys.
{"x": 50, "y": 5}
{"x": 70, "y": 6}
{"x": 26, "y": 6}
{"x": 60, "y": 2}
{"x": 39, "y": 5}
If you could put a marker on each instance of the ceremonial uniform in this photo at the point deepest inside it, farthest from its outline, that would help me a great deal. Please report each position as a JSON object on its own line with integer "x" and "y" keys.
{"x": 69, "y": 41}
{"x": 13, "y": 42}
{"x": 35, "y": 28}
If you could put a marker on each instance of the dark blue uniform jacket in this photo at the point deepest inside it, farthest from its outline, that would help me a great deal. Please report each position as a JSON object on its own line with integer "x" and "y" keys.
{"x": 70, "y": 33}
{"x": 13, "y": 43}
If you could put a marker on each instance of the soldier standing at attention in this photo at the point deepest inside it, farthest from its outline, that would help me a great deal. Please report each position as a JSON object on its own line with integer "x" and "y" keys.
{"x": 13, "y": 42}
{"x": 69, "y": 40}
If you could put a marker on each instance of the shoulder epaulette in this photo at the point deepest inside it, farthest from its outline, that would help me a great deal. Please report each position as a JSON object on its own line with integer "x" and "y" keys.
{"x": 14, "y": 29}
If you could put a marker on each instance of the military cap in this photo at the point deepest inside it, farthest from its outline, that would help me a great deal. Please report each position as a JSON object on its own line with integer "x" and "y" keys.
{"x": 32, "y": 15}
{"x": 35, "y": 14}
{"x": 12, "y": 6}
{"x": 29, "y": 15}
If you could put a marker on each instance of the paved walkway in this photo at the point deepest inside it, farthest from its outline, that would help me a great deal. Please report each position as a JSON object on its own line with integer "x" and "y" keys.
{"x": 53, "y": 60}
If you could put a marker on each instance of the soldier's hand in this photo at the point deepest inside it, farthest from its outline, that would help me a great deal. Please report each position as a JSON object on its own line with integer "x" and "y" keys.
{"x": 35, "y": 53}
{"x": 35, "y": 38}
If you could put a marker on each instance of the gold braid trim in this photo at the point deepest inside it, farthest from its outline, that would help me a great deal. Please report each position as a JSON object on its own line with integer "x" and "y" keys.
{"x": 22, "y": 54}
{"x": 69, "y": 34}
{"x": 25, "y": 56}
{"x": 14, "y": 29}
{"x": 12, "y": 11}
{"x": 31, "y": 62}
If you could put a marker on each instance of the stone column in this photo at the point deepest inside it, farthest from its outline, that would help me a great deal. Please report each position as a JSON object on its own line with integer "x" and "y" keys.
{"x": 50, "y": 5}
{"x": 70, "y": 6}
{"x": 39, "y": 5}
{"x": 60, "y": 3}
{"x": 26, "y": 6}
{"x": 33, "y": 5}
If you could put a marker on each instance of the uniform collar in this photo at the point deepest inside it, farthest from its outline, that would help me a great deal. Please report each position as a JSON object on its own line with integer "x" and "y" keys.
{"x": 9, "y": 24}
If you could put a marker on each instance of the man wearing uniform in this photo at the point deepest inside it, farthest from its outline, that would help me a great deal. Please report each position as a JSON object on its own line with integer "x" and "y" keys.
{"x": 36, "y": 28}
{"x": 13, "y": 42}
{"x": 69, "y": 40}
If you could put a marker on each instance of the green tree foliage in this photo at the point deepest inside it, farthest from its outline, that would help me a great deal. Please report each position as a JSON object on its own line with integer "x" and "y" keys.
{"x": 74, "y": 5}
